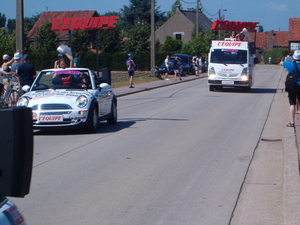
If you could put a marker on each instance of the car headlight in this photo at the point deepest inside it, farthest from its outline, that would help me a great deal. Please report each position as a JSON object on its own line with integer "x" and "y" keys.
{"x": 244, "y": 75}
{"x": 23, "y": 101}
{"x": 211, "y": 73}
{"x": 81, "y": 101}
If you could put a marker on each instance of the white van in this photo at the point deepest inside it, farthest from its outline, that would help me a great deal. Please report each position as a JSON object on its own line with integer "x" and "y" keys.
{"x": 230, "y": 64}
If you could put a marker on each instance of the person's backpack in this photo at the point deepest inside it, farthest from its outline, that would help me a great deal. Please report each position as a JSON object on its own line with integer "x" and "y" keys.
{"x": 291, "y": 80}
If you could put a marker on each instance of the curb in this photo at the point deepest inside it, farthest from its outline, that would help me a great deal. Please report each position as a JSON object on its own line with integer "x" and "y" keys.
{"x": 150, "y": 86}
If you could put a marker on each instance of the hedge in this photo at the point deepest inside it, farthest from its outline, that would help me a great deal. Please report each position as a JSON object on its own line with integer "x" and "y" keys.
{"x": 116, "y": 61}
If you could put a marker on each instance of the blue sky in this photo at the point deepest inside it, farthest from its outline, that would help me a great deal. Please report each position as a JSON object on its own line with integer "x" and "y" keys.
{"x": 271, "y": 14}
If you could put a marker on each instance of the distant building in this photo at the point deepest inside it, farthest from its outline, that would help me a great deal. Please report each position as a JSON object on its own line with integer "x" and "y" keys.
{"x": 275, "y": 39}
{"x": 181, "y": 25}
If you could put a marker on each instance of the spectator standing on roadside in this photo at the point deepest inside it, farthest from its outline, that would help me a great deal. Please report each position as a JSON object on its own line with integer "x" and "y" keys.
{"x": 200, "y": 64}
{"x": 195, "y": 65}
{"x": 15, "y": 66}
{"x": 76, "y": 60}
{"x": 7, "y": 61}
{"x": 130, "y": 68}
{"x": 270, "y": 59}
{"x": 177, "y": 68}
{"x": 293, "y": 97}
{"x": 26, "y": 72}
{"x": 167, "y": 64}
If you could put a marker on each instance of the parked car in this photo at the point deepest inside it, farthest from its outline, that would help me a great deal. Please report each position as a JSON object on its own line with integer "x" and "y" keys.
{"x": 71, "y": 97}
{"x": 9, "y": 213}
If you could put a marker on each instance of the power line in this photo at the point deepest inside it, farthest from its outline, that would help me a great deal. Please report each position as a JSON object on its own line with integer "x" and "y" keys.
{"x": 201, "y": 7}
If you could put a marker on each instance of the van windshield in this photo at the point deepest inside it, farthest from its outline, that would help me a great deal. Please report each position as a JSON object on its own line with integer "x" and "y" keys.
{"x": 228, "y": 56}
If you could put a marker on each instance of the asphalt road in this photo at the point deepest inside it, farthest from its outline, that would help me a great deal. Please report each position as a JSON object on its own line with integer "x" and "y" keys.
{"x": 178, "y": 155}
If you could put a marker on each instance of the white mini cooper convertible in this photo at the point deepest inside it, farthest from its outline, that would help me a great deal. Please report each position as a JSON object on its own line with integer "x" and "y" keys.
{"x": 71, "y": 97}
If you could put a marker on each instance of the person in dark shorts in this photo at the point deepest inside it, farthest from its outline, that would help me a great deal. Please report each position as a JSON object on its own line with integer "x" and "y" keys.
{"x": 293, "y": 97}
{"x": 130, "y": 68}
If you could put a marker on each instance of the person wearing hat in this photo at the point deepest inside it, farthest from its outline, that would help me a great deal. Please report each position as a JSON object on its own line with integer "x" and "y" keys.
{"x": 293, "y": 97}
{"x": 58, "y": 62}
{"x": 130, "y": 68}
{"x": 7, "y": 61}
{"x": 6, "y": 71}
{"x": 26, "y": 72}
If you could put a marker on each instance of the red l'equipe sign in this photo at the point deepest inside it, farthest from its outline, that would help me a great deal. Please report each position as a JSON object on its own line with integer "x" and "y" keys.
{"x": 233, "y": 25}
{"x": 86, "y": 23}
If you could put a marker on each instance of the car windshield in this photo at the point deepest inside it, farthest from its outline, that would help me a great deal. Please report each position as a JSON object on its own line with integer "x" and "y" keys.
{"x": 228, "y": 56}
{"x": 62, "y": 79}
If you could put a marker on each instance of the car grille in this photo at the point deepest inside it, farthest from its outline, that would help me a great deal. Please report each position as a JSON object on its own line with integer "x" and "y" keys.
{"x": 228, "y": 75}
{"x": 56, "y": 108}
{"x": 51, "y": 107}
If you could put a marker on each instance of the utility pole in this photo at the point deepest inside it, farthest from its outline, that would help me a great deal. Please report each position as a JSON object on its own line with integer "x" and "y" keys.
{"x": 197, "y": 18}
{"x": 152, "y": 39}
{"x": 220, "y": 19}
{"x": 20, "y": 25}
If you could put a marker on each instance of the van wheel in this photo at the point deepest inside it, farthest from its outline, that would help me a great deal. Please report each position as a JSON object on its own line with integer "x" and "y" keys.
{"x": 211, "y": 88}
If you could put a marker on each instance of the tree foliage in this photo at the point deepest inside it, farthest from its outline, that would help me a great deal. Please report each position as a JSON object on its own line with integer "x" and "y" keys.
{"x": 80, "y": 40}
{"x": 2, "y": 20}
{"x": 5, "y": 42}
{"x": 110, "y": 40}
{"x": 45, "y": 39}
{"x": 172, "y": 45}
{"x": 138, "y": 11}
{"x": 138, "y": 38}
{"x": 173, "y": 8}
{"x": 197, "y": 46}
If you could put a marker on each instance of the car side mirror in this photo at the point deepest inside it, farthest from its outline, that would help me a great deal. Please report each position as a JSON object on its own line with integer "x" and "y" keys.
{"x": 26, "y": 88}
{"x": 104, "y": 86}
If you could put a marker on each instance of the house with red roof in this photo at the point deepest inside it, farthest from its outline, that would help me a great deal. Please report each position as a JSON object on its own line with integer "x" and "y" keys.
{"x": 50, "y": 16}
{"x": 275, "y": 39}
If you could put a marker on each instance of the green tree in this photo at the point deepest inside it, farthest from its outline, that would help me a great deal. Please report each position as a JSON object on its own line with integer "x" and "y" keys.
{"x": 2, "y": 20}
{"x": 110, "y": 40}
{"x": 138, "y": 38}
{"x": 45, "y": 38}
{"x": 5, "y": 42}
{"x": 11, "y": 25}
{"x": 30, "y": 21}
{"x": 172, "y": 45}
{"x": 197, "y": 46}
{"x": 138, "y": 11}
{"x": 173, "y": 9}
{"x": 80, "y": 40}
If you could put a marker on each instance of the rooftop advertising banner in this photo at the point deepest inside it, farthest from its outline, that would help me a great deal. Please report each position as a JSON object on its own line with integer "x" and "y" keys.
{"x": 86, "y": 23}
{"x": 233, "y": 25}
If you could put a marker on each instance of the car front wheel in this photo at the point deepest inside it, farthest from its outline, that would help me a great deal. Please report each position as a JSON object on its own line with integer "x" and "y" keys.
{"x": 93, "y": 121}
{"x": 114, "y": 115}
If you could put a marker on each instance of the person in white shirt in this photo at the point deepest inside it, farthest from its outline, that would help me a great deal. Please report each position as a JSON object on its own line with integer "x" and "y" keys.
{"x": 167, "y": 67}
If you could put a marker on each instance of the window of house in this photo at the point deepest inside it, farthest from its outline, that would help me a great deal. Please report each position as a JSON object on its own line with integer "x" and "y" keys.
{"x": 178, "y": 36}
